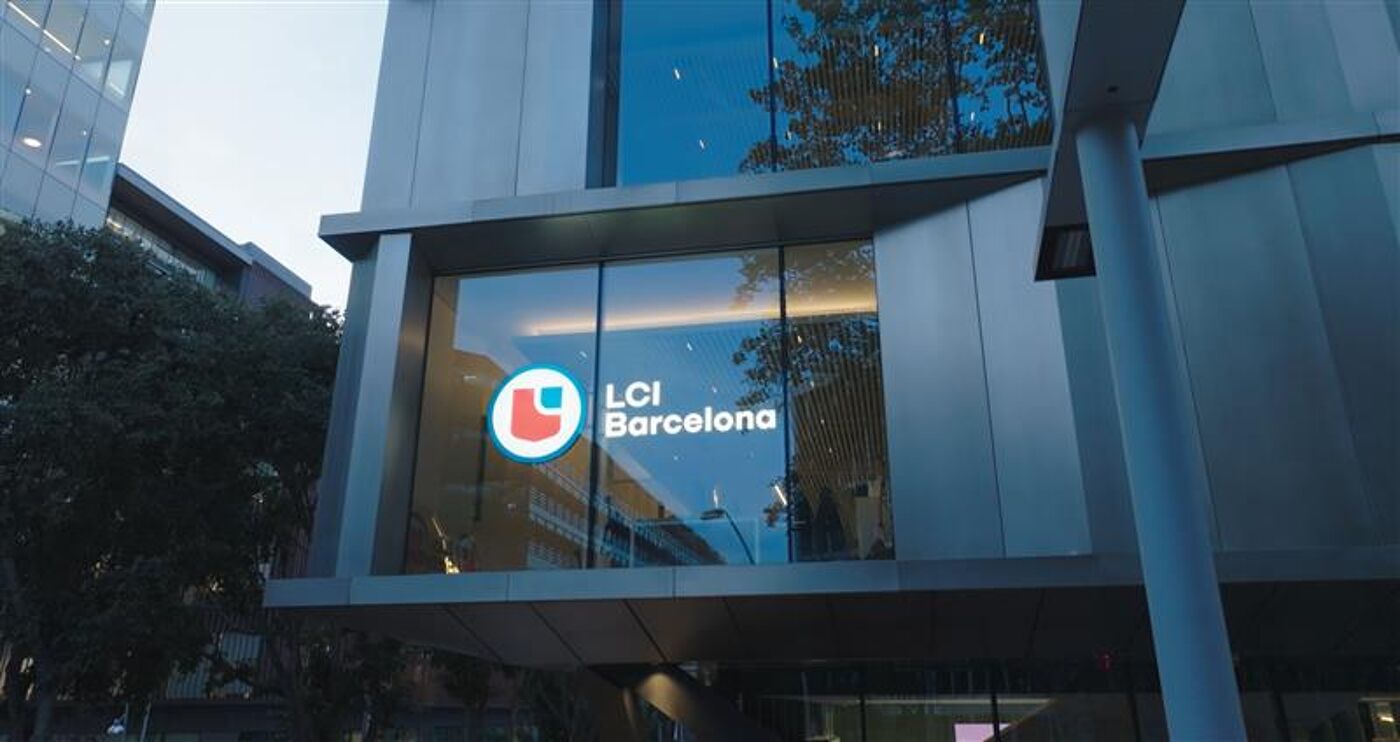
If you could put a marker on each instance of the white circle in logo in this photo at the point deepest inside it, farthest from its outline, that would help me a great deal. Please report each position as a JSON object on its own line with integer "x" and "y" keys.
{"x": 536, "y": 414}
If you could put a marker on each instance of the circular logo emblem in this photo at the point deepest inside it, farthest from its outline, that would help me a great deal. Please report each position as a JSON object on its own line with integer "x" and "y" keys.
{"x": 536, "y": 414}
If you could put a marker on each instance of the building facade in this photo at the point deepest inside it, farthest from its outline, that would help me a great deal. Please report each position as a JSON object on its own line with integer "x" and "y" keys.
{"x": 883, "y": 371}
{"x": 184, "y": 242}
{"x": 68, "y": 70}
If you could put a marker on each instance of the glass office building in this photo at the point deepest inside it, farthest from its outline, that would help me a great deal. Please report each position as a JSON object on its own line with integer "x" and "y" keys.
{"x": 68, "y": 70}
{"x": 855, "y": 370}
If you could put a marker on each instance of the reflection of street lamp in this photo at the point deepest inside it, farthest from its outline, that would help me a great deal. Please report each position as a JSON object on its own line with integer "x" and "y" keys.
{"x": 716, "y": 514}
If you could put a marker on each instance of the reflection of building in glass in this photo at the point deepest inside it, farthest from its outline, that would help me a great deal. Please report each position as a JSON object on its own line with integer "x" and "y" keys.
{"x": 744, "y": 170}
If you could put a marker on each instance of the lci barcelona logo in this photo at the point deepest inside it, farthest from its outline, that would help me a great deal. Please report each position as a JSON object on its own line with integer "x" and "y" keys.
{"x": 536, "y": 414}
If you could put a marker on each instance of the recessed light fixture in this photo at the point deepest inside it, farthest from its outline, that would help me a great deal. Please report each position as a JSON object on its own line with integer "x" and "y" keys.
{"x": 31, "y": 142}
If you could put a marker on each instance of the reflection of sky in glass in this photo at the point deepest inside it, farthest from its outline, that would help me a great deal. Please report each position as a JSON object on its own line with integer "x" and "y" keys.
{"x": 686, "y": 72}
{"x": 694, "y": 82}
{"x": 696, "y": 326}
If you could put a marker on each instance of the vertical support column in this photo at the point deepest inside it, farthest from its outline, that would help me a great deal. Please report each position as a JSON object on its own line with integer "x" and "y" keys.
{"x": 364, "y": 498}
{"x": 1166, "y": 473}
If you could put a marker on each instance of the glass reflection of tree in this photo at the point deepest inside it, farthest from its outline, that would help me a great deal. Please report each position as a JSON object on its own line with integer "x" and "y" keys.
{"x": 828, "y": 361}
{"x": 886, "y": 79}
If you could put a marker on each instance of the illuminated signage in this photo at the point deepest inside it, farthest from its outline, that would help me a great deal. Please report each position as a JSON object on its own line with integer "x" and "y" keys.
{"x": 538, "y": 412}
{"x": 621, "y": 421}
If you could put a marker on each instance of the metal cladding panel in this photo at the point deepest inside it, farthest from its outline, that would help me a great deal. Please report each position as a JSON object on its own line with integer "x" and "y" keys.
{"x": 1037, "y": 456}
{"x": 600, "y": 632}
{"x": 340, "y": 428}
{"x": 1215, "y": 74}
{"x": 1273, "y": 428}
{"x": 1388, "y": 168}
{"x": 554, "y": 115}
{"x": 515, "y": 634}
{"x": 393, "y": 141}
{"x": 1355, "y": 259}
{"x": 469, "y": 135}
{"x": 942, "y": 471}
{"x": 1300, "y": 57}
{"x": 699, "y": 628}
{"x": 1106, "y": 493}
{"x": 1367, "y": 48}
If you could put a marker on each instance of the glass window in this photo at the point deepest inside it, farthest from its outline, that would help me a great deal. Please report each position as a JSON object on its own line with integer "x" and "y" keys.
{"x": 724, "y": 88}
{"x": 737, "y": 415}
{"x": 688, "y": 75}
{"x": 20, "y": 187}
{"x": 70, "y": 139}
{"x": 16, "y": 60}
{"x": 126, "y": 59}
{"x": 837, "y": 478}
{"x": 95, "y": 46}
{"x": 691, "y": 459}
{"x": 39, "y": 112}
{"x": 28, "y": 15}
{"x": 100, "y": 163}
{"x": 475, "y": 506}
{"x": 61, "y": 30}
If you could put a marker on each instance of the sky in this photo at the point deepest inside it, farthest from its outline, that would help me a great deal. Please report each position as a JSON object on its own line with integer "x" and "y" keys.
{"x": 255, "y": 114}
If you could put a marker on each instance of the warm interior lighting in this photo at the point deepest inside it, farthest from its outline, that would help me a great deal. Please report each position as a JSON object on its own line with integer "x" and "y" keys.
{"x": 31, "y": 142}
{"x": 656, "y": 321}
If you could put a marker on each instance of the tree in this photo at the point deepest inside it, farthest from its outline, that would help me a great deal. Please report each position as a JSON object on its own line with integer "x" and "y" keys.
{"x": 155, "y": 437}
{"x": 886, "y": 79}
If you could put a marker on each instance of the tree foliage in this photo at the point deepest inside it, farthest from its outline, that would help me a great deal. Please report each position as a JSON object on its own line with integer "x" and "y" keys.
{"x": 157, "y": 438}
{"x": 886, "y": 79}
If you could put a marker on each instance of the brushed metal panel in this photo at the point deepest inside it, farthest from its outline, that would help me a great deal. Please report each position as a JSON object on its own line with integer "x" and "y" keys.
{"x": 1355, "y": 260}
{"x": 1300, "y": 58}
{"x": 1367, "y": 49}
{"x": 516, "y": 634}
{"x": 469, "y": 135}
{"x": 1106, "y": 493}
{"x": 784, "y": 628}
{"x": 942, "y": 470}
{"x": 1037, "y": 456}
{"x": 890, "y": 626}
{"x": 1215, "y": 75}
{"x": 429, "y": 626}
{"x": 690, "y": 628}
{"x": 971, "y": 625}
{"x": 1080, "y": 623}
{"x": 393, "y": 141}
{"x": 1278, "y": 449}
{"x": 1388, "y": 165}
{"x": 600, "y": 631}
{"x": 554, "y": 113}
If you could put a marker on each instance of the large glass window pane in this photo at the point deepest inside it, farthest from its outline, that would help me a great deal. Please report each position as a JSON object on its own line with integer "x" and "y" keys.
{"x": 28, "y": 15}
{"x": 689, "y": 71}
{"x": 95, "y": 46}
{"x": 100, "y": 163}
{"x": 477, "y": 505}
{"x": 126, "y": 59}
{"x": 691, "y": 455}
{"x": 70, "y": 139}
{"x": 820, "y": 83}
{"x": 16, "y": 60}
{"x": 39, "y": 111}
{"x": 61, "y": 30}
{"x": 839, "y": 491}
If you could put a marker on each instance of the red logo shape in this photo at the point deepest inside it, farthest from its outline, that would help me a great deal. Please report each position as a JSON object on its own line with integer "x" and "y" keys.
{"x": 527, "y": 422}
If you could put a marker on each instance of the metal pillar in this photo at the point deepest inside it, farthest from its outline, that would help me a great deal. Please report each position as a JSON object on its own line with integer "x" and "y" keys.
{"x": 1165, "y": 471}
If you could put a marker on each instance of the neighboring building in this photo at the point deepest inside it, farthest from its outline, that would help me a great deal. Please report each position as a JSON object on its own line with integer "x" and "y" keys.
{"x": 68, "y": 70}
{"x": 703, "y": 345}
{"x": 184, "y": 242}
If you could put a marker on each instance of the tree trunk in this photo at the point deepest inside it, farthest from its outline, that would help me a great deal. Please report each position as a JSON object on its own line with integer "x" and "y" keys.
{"x": 43, "y": 707}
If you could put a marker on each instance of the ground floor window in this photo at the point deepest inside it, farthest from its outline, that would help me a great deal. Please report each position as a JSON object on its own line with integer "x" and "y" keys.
{"x": 724, "y": 408}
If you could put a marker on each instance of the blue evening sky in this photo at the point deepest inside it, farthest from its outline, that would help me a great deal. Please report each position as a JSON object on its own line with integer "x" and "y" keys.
{"x": 256, "y": 116}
